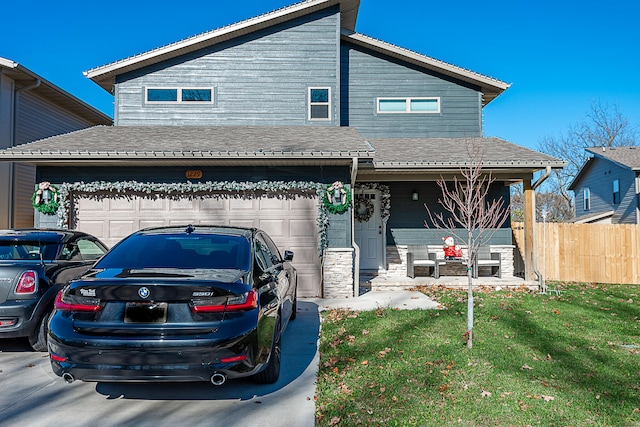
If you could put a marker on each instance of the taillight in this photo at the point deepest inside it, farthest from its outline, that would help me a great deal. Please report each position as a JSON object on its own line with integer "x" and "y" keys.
{"x": 247, "y": 301}
{"x": 80, "y": 304}
{"x": 28, "y": 283}
{"x": 57, "y": 358}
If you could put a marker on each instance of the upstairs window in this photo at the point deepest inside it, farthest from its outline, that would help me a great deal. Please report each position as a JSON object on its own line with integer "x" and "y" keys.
{"x": 616, "y": 191}
{"x": 408, "y": 105}
{"x": 179, "y": 95}
{"x": 319, "y": 103}
{"x": 586, "y": 199}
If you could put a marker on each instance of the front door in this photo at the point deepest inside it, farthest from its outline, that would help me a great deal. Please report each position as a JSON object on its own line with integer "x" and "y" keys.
{"x": 368, "y": 229}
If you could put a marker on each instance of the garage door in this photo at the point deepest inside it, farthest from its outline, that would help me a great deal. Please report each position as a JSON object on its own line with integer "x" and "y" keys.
{"x": 290, "y": 222}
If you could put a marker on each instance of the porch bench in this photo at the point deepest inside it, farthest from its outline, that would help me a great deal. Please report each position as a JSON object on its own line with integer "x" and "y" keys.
{"x": 486, "y": 258}
{"x": 422, "y": 256}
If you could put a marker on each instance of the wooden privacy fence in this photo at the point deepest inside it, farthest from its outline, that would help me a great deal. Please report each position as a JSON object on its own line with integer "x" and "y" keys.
{"x": 602, "y": 253}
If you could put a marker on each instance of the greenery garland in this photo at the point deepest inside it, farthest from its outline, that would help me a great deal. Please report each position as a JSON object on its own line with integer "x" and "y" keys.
{"x": 41, "y": 204}
{"x": 189, "y": 189}
{"x": 344, "y": 194}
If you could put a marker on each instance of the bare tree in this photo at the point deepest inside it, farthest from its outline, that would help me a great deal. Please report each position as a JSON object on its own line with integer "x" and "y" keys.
{"x": 469, "y": 215}
{"x": 546, "y": 201}
{"x": 604, "y": 126}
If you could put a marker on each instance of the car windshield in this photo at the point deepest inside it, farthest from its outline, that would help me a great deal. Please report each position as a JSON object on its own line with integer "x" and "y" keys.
{"x": 28, "y": 250}
{"x": 182, "y": 251}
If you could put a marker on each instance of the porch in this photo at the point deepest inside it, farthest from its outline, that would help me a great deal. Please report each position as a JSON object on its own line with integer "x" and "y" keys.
{"x": 375, "y": 282}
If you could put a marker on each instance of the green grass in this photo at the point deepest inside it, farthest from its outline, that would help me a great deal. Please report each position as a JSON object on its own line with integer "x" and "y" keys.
{"x": 537, "y": 360}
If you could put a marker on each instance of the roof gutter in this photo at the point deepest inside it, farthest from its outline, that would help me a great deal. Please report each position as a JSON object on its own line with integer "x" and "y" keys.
{"x": 535, "y": 185}
{"x": 356, "y": 248}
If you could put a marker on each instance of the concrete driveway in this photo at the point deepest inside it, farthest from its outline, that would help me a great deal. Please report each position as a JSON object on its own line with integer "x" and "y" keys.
{"x": 31, "y": 395}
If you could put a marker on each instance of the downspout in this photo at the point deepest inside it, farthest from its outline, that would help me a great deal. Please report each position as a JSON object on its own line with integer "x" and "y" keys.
{"x": 14, "y": 141}
{"x": 356, "y": 248}
{"x": 535, "y": 185}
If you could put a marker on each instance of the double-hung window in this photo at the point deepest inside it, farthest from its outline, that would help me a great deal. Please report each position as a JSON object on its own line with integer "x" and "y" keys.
{"x": 616, "y": 191}
{"x": 408, "y": 105}
{"x": 586, "y": 195}
{"x": 179, "y": 95}
{"x": 319, "y": 103}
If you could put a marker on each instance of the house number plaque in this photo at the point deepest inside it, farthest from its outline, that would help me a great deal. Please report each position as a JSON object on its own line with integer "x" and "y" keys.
{"x": 193, "y": 174}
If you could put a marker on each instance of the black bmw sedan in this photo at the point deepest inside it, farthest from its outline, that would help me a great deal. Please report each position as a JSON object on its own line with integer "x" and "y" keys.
{"x": 34, "y": 265}
{"x": 189, "y": 303}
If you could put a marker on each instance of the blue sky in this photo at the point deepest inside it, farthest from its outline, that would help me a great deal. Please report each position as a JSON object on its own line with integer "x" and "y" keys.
{"x": 559, "y": 56}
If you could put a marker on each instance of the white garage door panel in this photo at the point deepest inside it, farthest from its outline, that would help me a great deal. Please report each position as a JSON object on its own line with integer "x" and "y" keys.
{"x": 290, "y": 222}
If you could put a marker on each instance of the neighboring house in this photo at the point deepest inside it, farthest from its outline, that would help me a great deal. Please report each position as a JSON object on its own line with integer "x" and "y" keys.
{"x": 607, "y": 187}
{"x": 32, "y": 108}
{"x": 252, "y": 123}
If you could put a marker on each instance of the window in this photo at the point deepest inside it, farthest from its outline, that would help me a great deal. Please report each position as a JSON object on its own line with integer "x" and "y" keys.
{"x": 319, "y": 103}
{"x": 587, "y": 199}
{"x": 408, "y": 105}
{"x": 179, "y": 95}
{"x": 616, "y": 191}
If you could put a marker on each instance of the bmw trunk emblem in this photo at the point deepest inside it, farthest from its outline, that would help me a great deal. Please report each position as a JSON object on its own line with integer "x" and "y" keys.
{"x": 144, "y": 292}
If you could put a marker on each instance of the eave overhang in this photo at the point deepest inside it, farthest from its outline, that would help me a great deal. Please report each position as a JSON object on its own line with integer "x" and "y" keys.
{"x": 490, "y": 87}
{"x": 25, "y": 78}
{"x": 105, "y": 75}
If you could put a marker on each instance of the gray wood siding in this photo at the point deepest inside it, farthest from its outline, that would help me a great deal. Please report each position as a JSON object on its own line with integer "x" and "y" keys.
{"x": 39, "y": 118}
{"x": 366, "y": 76}
{"x": 259, "y": 79}
{"x": 599, "y": 178}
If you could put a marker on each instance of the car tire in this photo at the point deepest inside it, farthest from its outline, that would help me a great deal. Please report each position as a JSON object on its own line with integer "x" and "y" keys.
{"x": 294, "y": 309}
{"x": 272, "y": 372}
{"x": 38, "y": 338}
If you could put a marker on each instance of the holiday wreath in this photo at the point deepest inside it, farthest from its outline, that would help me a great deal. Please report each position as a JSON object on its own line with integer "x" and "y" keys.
{"x": 337, "y": 198}
{"x": 363, "y": 210}
{"x": 45, "y": 198}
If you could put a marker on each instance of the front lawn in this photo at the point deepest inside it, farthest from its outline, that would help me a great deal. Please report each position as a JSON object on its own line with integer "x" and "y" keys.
{"x": 539, "y": 360}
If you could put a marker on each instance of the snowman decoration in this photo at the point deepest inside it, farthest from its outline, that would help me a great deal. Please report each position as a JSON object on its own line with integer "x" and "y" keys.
{"x": 451, "y": 250}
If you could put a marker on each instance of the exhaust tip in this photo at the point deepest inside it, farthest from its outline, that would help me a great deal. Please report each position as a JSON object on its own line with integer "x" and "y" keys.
{"x": 218, "y": 379}
{"x": 68, "y": 377}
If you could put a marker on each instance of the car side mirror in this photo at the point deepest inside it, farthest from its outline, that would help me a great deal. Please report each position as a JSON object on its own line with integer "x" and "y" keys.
{"x": 288, "y": 255}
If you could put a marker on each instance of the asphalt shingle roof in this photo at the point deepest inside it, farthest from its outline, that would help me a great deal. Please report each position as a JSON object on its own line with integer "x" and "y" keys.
{"x": 438, "y": 152}
{"x": 196, "y": 141}
{"x": 625, "y": 156}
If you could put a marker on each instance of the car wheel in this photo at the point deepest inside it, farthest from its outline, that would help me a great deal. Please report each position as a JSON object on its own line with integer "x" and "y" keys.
{"x": 38, "y": 338}
{"x": 272, "y": 372}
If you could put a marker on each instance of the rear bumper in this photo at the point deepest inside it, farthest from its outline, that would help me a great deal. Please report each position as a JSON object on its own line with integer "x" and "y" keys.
{"x": 18, "y": 314}
{"x": 90, "y": 359}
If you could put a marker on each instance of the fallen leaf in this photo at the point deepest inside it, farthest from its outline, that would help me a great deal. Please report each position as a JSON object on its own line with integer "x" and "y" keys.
{"x": 526, "y": 367}
{"x": 547, "y": 398}
{"x": 334, "y": 421}
{"x": 365, "y": 362}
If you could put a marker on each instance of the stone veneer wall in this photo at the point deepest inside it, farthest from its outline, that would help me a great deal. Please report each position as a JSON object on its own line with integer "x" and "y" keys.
{"x": 337, "y": 272}
{"x": 397, "y": 260}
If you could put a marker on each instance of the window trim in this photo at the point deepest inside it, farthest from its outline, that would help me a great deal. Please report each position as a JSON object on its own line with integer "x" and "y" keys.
{"x": 408, "y": 100}
{"x": 586, "y": 196}
{"x": 310, "y": 104}
{"x": 179, "y": 95}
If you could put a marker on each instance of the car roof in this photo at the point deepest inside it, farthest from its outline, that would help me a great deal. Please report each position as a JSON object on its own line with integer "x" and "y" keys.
{"x": 200, "y": 229}
{"x": 39, "y": 235}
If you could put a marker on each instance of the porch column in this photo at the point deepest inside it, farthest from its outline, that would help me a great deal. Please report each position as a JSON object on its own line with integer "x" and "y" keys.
{"x": 529, "y": 229}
